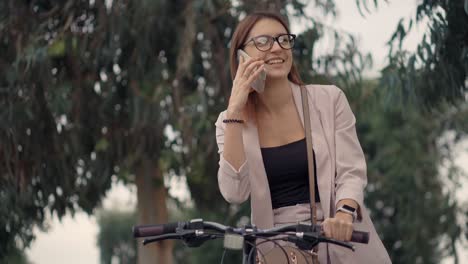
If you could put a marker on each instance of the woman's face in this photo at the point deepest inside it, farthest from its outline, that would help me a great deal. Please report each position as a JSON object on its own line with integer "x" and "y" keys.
{"x": 278, "y": 61}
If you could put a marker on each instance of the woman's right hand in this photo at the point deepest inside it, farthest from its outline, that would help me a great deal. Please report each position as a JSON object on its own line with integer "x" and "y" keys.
{"x": 247, "y": 71}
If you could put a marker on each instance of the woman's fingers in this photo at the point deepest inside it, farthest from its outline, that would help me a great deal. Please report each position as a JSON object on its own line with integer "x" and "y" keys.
{"x": 244, "y": 66}
{"x": 242, "y": 82}
{"x": 252, "y": 67}
{"x": 246, "y": 72}
{"x": 255, "y": 74}
{"x": 343, "y": 229}
{"x": 326, "y": 228}
{"x": 337, "y": 229}
{"x": 349, "y": 232}
{"x": 241, "y": 66}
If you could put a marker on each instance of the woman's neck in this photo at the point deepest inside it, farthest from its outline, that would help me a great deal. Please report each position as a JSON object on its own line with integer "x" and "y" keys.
{"x": 276, "y": 96}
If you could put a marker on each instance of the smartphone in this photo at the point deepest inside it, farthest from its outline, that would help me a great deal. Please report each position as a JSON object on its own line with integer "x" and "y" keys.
{"x": 258, "y": 84}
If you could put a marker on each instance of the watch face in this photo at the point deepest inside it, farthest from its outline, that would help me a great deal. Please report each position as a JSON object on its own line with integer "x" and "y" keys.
{"x": 347, "y": 207}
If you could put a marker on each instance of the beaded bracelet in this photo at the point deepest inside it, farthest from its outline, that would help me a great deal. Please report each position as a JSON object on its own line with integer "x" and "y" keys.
{"x": 240, "y": 121}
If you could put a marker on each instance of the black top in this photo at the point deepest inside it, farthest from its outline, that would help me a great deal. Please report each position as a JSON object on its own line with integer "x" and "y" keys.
{"x": 288, "y": 176}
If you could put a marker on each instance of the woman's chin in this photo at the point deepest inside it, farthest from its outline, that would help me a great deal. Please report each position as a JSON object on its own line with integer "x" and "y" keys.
{"x": 277, "y": 72}
{"x": 277, "y": 75}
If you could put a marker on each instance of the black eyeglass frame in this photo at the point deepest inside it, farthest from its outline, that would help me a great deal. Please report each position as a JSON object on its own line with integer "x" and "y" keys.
{"x": 292, "y": 37}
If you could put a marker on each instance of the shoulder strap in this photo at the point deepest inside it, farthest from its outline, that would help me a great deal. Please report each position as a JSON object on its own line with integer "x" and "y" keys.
{"x": 310, "y": 159}
{"x": 311, "y": 166}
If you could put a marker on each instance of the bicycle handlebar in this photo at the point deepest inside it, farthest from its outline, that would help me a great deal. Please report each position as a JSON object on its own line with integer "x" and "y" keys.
{"x": 155, "y": 230}
{"x": 163, "y": 229}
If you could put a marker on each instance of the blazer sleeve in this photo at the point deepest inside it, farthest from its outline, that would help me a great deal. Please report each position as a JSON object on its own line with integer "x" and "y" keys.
{"x": 351, "y": 169}
{"x": 233, "y": 184}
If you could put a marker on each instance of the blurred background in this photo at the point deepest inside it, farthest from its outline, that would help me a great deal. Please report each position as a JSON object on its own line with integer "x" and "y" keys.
{"x": 107, "y": 112}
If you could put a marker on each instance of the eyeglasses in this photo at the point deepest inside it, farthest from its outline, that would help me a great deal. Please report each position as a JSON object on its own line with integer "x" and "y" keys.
{"x": 265, "y": 42}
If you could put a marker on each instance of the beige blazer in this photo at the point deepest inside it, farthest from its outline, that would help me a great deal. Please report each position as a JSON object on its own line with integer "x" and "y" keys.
{"x": 341, "y": 169}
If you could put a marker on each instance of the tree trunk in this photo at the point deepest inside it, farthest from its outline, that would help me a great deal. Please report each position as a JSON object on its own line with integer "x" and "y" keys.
{"x": 152, "y": 209}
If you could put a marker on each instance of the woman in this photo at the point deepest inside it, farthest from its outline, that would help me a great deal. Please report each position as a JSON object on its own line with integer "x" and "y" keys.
{"x": 261, "y": 141}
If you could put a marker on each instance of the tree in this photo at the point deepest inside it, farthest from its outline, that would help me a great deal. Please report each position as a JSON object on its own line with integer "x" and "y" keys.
{"x": 37, "y": 175}
{"x": 17, "y": 256}
{"x": 406, "y": 194}
{"x": 99, "y": 84}
{"x": 420, "y": 98}
{"x": 441, "y": 57}
{"x": 77, "y": 77}
{"x": 114, "y": 239}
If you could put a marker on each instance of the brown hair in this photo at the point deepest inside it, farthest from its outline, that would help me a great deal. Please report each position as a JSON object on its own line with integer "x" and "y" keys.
{"x": 240, "y": 37}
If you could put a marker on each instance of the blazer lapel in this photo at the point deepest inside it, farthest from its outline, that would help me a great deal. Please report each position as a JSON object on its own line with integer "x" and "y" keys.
{"x": 262, "y": 209}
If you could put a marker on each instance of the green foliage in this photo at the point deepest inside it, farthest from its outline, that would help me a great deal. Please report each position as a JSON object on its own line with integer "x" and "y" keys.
{"x": 114, "y": 239}
{"x": 413, "y": 213}
{"x": 419, "y": 101}
{"x": 70, "y": 120}
{"x": 16, "y": 256}
{"x": 441, "y": 58}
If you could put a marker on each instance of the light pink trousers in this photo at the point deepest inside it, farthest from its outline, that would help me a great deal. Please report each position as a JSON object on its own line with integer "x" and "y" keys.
{"x": 300, "y": 213}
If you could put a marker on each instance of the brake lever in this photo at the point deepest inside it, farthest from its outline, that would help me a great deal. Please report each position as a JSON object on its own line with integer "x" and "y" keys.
{"x": 301, "y": 243}
{"x": 161, "y": 237}
{"x": 337, "y": 242}
{"x": 197, "y": 240}
{"x": 191, "y": 238}
{"x": 313, "y": 238}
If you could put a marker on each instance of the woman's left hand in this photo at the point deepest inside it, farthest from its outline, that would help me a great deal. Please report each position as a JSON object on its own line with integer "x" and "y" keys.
{"x": 340, "y": 227}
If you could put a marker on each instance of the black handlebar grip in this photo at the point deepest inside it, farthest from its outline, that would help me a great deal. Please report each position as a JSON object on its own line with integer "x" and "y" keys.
{"x": 154, "y": 230}
{"x": 360, "y": 237}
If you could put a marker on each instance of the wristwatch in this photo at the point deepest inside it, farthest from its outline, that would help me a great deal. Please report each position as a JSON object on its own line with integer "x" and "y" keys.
{"x": 348, "y": 210}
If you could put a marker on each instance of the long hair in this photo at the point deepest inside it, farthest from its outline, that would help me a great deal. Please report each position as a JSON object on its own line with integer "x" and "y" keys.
{"x": 240, "y": 37}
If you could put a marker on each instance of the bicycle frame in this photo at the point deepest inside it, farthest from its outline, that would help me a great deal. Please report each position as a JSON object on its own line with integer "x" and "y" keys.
{"x": 249, "y": 250}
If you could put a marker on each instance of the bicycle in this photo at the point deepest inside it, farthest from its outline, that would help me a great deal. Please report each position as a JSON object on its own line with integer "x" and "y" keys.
{"x": 196, "y": 231}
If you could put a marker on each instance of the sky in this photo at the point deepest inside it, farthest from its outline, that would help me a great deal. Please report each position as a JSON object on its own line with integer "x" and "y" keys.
{"x": 73, "y": 240}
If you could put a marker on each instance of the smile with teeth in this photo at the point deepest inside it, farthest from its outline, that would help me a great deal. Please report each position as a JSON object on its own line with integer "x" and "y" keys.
{"x": 274, "y": 61}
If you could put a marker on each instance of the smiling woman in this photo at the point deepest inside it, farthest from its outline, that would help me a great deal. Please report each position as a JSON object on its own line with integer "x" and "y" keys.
{"x": 266, "y": 154}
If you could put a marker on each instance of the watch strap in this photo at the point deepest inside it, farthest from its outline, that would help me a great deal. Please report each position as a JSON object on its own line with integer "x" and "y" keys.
{"x": 348, "y": 210}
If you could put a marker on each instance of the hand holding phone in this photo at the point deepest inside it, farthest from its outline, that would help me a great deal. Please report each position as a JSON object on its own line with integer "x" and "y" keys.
{"x": 258, "y": 84}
